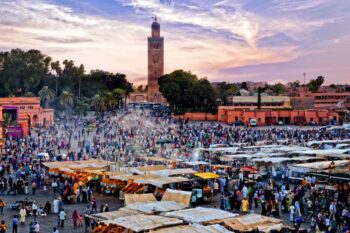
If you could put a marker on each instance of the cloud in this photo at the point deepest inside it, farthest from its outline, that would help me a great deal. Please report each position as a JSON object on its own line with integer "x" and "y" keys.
{"x": 207, "y": 37}
{"x": 64, "y": 40}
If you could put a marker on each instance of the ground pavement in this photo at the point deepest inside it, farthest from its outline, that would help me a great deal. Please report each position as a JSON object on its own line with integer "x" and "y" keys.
{"x": 47, "y": 223}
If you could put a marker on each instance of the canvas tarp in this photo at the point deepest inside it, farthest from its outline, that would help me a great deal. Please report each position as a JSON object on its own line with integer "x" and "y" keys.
{"x": 207, "y": 175}
{"x": 110, "y": 216}
{"x": 194, "y": 229}
{"x": 156, "y": 207}
{"x": 323, "y": 165}
{"x": 147, "y": 170}
{"x": 160, "y": 182}
{"x": 173, "y": 172}
{"x": 141, "y": 222}
{"x": 200, "y": 214}
{"x": 126, "y": 177}
{"x": 139, "y": 198}
{"x": 251, "y": 222}
{"x": 178, "y": 196}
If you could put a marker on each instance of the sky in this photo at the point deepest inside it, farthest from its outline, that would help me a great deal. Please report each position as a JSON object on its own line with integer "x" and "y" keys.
{"x": 223, "y": 40}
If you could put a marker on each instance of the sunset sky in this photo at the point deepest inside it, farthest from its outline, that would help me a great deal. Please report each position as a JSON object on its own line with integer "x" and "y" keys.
{"x": 228, "y": 40}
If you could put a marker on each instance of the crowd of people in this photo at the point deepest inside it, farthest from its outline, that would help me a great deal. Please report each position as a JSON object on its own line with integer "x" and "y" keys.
{"x": 121, "y": 136}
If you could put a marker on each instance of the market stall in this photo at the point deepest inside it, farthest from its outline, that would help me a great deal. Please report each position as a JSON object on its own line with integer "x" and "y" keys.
{"x": 200, "y": 215}
{"x": 136, "y": 223}
{"x": 194, "y": 229}
{"x": 251, "y": 223}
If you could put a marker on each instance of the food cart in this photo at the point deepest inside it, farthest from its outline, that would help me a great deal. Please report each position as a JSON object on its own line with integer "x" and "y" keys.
{"x": 202, "y": 186}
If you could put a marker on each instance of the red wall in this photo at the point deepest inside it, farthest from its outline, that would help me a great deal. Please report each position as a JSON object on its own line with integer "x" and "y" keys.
{"x": 197, "y": 116}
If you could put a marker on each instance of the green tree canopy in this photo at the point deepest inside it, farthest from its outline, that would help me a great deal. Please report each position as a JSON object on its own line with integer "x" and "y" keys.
{"x": 185, "y": 92}
{"x": 315, "y": 84}
{"x": 278, "y": 89}
{"x": 31, "y": 73}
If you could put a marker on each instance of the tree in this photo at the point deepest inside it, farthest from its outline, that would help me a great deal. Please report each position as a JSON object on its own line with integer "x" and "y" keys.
{"x": 8, "y": 120}
{"x": 223, "y": 90}
{"x": 46, "y": 95}
{"x": 315, "y": 84}
{"x": 185, "y": 92}
{"x": 81, "y": 107}
{"x": 244, "y": 86}
{"x": 98, "y": 103}
{"x": 278, "y": 89}
{"x": 26, "y": 73}
{"x": 119, "y": 95}
{"x": 22, "y": 72}
{"x": 66, "y": 101}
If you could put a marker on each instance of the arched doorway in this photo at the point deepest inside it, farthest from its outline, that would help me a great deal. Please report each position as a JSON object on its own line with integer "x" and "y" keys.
{"x": 35, "y": 120}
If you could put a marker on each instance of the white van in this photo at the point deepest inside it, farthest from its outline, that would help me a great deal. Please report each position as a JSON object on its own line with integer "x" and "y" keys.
{"x": 252, "y": 122}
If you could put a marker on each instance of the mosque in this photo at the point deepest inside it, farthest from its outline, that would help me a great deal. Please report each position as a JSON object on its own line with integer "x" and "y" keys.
{"x": 155, "y": 68}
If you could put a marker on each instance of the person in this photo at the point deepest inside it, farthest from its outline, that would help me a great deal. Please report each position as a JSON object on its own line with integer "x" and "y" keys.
{"x": 22, "y": 214}
{"x": 14, "y": 224}
{"x": 47, "y": 208}
{"x": 106, "y": 209}
{"x": 3, "y": 226}
{"x": 291, "y": 214}
{"x": 37, "y": 227}
{"x": 55, "y": 230}
{"x": 2, "y": 205}
{"x": 245, "y": 206}
{"x": 80, "y": 221}
{"x": 194, "y": 200}
{"x": 31, "y": 227}
{"x": 93, "y": 206}
{"x": 55, "y": 206}
{"x": 313, "y": 225}
{"x": 75, "y": 217}
{"x": 86, "y": 218}
{"x": 34, "y": 185}
{"x": 62, "y": 217}
{"x": 34, "y": 210}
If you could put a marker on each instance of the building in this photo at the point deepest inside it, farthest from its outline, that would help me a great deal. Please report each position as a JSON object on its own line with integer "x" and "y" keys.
{"x": 264, "y": 117}
{"x": 302, "y": 103}
{"x": 1, "y": 130}
{"x": 155, "y": 63}
{"x": 330, "y": 100}
{"x": 250, "y": 102}
{"x": 28, "y": 112}
{"x": 155, "y": 68}
{"x": 326, "y": 98}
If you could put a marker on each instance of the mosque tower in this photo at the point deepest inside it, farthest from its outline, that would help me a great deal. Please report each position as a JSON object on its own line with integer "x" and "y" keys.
{"x": 155, "y": 63}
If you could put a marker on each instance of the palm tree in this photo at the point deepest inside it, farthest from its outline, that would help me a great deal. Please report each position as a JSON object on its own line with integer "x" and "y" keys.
{"x": 7, "y": 120}
{"x": 119, "y": 95}
{"x": 109, "y": 100}
{"x": 66, "y": 100}
{"x": 98, "y": 103}
{"x": 46, "y": 95}
{"x": 55, "y": 66}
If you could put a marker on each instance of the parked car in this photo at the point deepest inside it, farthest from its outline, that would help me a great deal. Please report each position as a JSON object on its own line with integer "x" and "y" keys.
{"x": 252, "y": 122}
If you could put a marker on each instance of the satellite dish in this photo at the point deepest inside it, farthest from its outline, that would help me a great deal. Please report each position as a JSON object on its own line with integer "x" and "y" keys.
{"x": 340, "y": 104}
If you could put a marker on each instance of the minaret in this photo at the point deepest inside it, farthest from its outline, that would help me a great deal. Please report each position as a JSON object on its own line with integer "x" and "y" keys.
{"x": 155, "y": 63}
